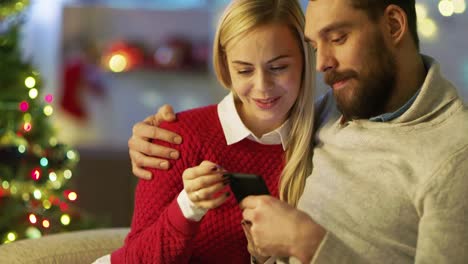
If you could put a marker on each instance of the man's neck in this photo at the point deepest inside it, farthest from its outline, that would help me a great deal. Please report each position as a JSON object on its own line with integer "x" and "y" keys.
{"x": 410, "y": 77}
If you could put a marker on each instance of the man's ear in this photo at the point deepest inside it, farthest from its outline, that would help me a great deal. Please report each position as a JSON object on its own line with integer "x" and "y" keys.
{"x": 396, "y": 23}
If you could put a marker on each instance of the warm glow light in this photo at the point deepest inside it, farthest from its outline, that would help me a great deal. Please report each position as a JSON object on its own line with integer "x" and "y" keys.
{"x": 33, "y": 93}
{"x": 52, "y": 176}
{"x": 30, "y": 82}
{"x": 27, "y": 117}
{"x": 13, "y": 189}
{"x": 421, "y": 11}
{"x": 67, "y": 174}
{"x": 71, "y": 154}
{"x": 53, "y": 141}
{"x": 72, "y": 196}
{"x": 118, "y": 63}
{"x": 44, "y": 162}
{"x": 427, "y": 27}
{"x": 33, "y": 232}
{"x": 49, "y": 98}
{"x": 46, "y": 223}
{"x": 35, "y": 174}
{"x": 459, "y": 6}
{"x": 21, "y": 149}
{"x": 32, "y": 219}
{"x": 5, "y": 185}
{"x": 11, "y": 236}
{"x": 27, "y": 127}
{"x": 56, "y": 185}
{"x": 446, "y": 8}
{"x": 24, "y": 106}
{"x": 47, "y": 204}
{"x": 25, "y": 197}
{"x": 48, "y": 110}
{"x": 65, "y": 219}
{"x": 37, "y": 194}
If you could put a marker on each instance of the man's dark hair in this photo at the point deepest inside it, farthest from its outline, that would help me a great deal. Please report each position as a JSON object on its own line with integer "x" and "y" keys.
{"x": 375, "y": 8}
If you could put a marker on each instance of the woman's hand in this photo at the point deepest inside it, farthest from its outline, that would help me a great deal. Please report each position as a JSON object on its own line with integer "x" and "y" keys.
{"x": 205, "y": 185}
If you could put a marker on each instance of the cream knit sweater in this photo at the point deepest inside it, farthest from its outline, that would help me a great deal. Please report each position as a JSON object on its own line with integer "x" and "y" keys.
{"x": 393, "y": 192}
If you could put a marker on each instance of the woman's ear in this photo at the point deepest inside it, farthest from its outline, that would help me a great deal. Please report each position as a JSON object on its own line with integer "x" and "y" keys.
{"x": 396, "y": 23}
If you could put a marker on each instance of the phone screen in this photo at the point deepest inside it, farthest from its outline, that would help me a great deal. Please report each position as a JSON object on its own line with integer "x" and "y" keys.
{"x": 243, "y": 185}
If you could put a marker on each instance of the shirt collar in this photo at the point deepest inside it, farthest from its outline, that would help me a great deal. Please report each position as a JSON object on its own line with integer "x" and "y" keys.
{"x": 235, "y": 130}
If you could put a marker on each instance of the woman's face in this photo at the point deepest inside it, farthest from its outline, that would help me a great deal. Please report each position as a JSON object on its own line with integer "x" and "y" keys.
{"x": 265, "y": 66}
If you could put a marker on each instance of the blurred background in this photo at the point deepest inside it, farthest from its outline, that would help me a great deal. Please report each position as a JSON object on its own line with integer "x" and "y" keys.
{"x": 110, "y": 63}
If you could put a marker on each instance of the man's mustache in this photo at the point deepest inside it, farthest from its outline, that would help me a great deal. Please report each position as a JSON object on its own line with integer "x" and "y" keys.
{"x": 334, "y": 76}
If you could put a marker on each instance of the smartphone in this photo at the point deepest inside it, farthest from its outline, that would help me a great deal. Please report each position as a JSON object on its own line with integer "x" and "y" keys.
{"x": 243, "y": 185}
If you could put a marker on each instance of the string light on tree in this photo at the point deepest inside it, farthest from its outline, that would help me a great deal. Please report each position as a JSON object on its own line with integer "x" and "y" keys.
{"x": 30, "y": 82}
{"x": 446, "y": 8}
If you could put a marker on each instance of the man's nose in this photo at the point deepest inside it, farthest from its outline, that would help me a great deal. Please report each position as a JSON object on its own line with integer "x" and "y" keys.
{"x": 325, "y": 59}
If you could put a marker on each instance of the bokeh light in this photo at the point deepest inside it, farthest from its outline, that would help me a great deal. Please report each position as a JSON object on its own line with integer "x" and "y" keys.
{"x": 30, "y": 82}
{"x": 24, "y": 106}
{"x": 46, "y": 223}
{"x": 446, "y": 8}
{"x": 27, "y": 127}
{"x": 33, "y": 232}
{"x": 72, "y": 196}
{"x": 459, "y": 6}
{"x": 421, "y": 11}
{"x": 427, "y": 27}
{"x": 33, "y": 93}
{"x": 118, "y": 63}
{"x": 32, "y": 219}
{"x": 44, "y": 162}
{"x": 48, "y": 110}
{"x": 36, "y": 174}
{"x": 65, "y": 219}
{"x": 49, "y": 98}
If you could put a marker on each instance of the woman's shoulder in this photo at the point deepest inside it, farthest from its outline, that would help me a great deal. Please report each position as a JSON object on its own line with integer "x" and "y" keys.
{"x": 193, "y": 120}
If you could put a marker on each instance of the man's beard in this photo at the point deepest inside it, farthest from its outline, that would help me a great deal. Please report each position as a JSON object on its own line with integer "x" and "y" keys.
{"x": 375, "y": 84}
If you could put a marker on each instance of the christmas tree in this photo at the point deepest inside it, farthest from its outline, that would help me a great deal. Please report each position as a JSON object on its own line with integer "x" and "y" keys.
{"x": 35, "y": 199}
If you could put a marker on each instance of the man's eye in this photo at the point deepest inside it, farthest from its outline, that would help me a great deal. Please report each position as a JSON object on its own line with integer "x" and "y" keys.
{"x": 339, "y": 40}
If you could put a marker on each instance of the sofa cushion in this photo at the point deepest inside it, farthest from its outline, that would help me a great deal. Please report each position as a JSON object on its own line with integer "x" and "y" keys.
{"x": 72, "y": 247}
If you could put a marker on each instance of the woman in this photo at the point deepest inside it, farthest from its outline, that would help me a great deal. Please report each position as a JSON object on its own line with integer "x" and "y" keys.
{"x": 184, "y": 214}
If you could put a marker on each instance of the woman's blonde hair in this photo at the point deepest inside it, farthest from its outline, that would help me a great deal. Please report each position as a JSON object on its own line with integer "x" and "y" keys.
{"x": 242, "y": 16}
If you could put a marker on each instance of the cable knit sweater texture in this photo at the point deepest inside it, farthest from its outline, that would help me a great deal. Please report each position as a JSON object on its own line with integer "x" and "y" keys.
{"x": 160, "y": 233}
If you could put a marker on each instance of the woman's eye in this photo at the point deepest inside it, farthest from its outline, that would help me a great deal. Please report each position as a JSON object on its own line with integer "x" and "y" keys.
{"x": 244, "y": 72}
{"x": 278, "y": 68}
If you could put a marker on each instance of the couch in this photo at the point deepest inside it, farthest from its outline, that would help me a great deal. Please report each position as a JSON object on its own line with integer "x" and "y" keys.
{"x": 70, "y": 248}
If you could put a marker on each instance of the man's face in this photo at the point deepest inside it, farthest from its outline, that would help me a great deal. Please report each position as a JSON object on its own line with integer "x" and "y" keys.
{"x": 352, "y": 54}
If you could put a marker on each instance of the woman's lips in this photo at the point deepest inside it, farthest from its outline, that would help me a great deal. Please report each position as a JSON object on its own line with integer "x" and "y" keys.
{"x": 267, "y": 103}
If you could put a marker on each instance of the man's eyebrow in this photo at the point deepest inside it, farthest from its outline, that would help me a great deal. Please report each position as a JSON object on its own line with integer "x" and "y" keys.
{"x": 270, "y": 61}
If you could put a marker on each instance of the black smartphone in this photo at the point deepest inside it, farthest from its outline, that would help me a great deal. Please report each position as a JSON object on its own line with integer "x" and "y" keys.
{"x": 243, "y": 185}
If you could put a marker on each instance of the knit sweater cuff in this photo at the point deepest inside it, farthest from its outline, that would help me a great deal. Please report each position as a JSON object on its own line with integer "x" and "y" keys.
{"x": 178, "y": 221}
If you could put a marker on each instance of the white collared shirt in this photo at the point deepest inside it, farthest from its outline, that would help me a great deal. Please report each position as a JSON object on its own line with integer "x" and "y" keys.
{"x": 234, "y": 131}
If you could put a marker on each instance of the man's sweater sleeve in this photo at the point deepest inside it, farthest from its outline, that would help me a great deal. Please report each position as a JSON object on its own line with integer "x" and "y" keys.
{"x": 443, "y": 203}
{"x": 159, "y": 233}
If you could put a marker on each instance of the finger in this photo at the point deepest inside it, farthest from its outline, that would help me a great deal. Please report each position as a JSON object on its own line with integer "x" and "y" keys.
{"x": 166, "y": 113}
{"x": 248, "y": 215}
{"x": 197, "y": 171}
{"x": 150, "y": 149}
{"x": 208, "y": 192}
{"x": 142, "y": 161}
{"x": 203, "y": 183}
{"x": 249, "y": 202}
{"x": 141, "y": 173}
{"x": 149, "y": 131}
{"x": 213, "y": 203}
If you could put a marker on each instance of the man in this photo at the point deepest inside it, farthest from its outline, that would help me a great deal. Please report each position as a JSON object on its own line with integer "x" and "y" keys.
{"x": 390, "y": 178}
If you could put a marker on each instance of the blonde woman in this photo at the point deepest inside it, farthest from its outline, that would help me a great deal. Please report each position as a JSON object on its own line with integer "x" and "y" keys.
{"x": 263, "y": 126}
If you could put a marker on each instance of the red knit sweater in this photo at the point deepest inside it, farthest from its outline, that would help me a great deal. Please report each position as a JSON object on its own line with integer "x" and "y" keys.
{"x": 160, "y": 233}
